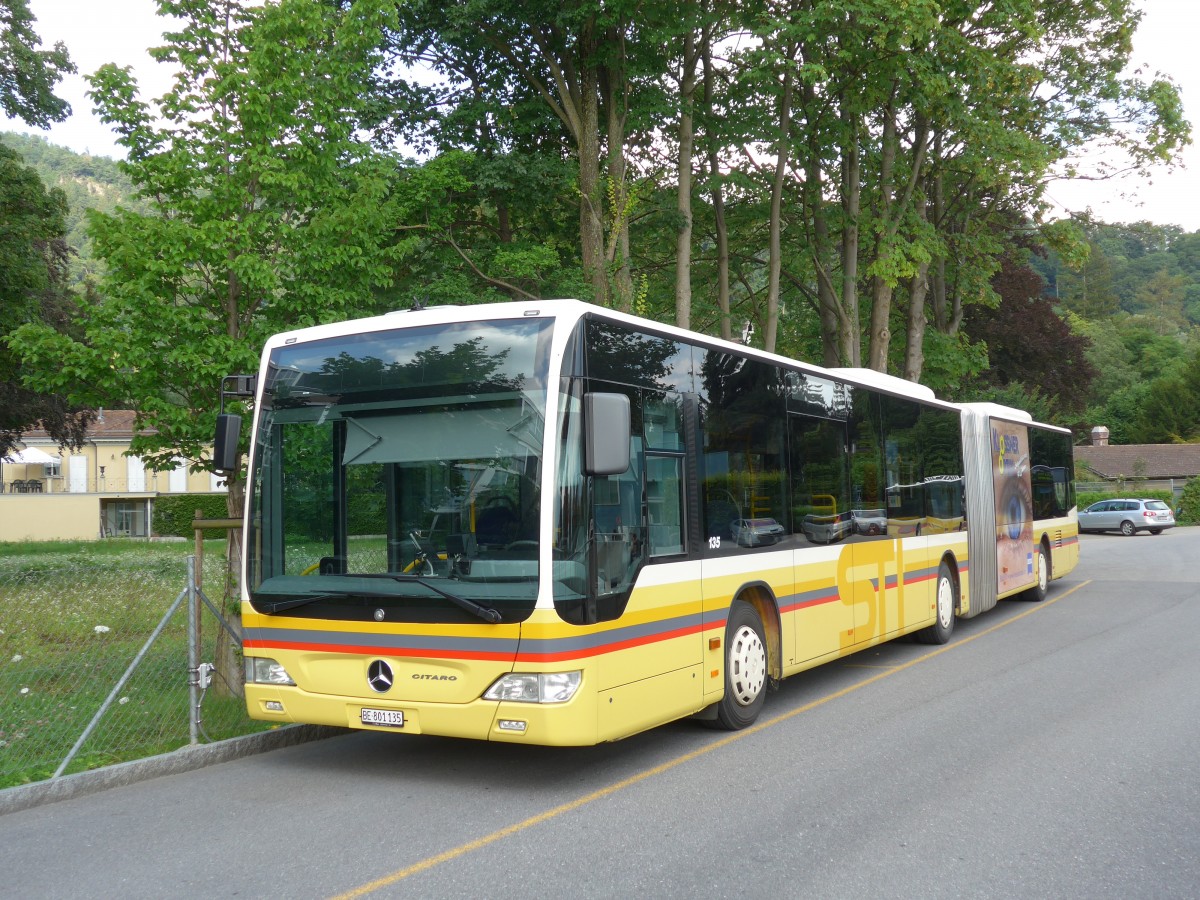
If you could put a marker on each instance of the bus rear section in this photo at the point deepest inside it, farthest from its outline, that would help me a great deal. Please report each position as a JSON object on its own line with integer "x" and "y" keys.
{"x": 1021, "y": 490}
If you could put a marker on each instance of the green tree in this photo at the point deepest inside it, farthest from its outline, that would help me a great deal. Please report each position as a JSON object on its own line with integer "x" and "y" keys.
{"x": 267, "y": 212}
{"x": 1162, "y": 295}
{"x": 89, "y": 182}
{"x": 1090, "y": 291}
{"x": 33, "y": 252}
{"x": 571, "y": 58}
{"x": 1170, "y": 409}
{"x": 28, "y": 75}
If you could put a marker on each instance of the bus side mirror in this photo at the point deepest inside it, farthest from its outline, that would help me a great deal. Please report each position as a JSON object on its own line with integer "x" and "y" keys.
{"x": 225, "y": 447}
{"x": 606, "y": 433}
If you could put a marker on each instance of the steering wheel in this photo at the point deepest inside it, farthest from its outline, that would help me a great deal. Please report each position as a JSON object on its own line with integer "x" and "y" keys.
{"x": 503, "y": 501}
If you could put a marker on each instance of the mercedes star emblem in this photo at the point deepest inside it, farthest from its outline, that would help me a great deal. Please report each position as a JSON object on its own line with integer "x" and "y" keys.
{"x": 379, "y": 676}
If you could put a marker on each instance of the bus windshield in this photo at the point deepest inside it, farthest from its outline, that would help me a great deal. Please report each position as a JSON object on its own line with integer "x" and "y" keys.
{"x": 397, "y": 474}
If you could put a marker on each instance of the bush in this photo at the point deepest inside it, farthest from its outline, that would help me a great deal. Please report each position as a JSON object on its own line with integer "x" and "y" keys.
{"x": 1189, "y": 503}
{"x": 173, "y": 514}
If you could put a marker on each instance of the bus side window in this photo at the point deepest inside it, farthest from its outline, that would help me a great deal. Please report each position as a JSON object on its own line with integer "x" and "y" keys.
{"x": 664, "y": 502}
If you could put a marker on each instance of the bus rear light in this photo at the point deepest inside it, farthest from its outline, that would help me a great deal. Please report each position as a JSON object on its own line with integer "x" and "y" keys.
{"x": 555, "y": 687}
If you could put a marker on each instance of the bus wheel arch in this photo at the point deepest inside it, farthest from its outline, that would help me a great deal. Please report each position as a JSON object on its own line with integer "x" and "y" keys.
{"x": 759, "y": 596}
{"x": 947, "y": 594}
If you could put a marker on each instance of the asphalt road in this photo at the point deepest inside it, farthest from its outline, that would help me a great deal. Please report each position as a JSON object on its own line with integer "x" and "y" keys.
{"x": 1049, "y": 750}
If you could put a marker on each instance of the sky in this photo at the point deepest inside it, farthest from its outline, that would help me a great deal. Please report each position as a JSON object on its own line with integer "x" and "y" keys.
{"x": 101, "y": 31}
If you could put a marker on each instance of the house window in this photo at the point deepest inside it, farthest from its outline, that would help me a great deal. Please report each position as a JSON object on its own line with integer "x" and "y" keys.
{"x": 125, "y": 518}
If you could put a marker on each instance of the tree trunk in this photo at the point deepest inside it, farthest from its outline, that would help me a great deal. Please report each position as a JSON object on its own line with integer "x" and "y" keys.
{"x": 683, "y": 240}
{"x": 774, "y": 248}
{"x": 718, "y": 201}
{"x": 850, "y": 350}
{"x": 591, "y": 197}
{"x": 881, "y": 291}
{"x": 914, "y": 351}
{"x": 614, "y": 87}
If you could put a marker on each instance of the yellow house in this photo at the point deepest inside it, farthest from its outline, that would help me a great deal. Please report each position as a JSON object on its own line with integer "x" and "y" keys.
{"x": 47, "y": 493}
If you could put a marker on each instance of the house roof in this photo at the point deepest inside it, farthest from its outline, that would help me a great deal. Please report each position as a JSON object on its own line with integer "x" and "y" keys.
{"x": 110, "y": 425}
{"x": 1141, "y": 460}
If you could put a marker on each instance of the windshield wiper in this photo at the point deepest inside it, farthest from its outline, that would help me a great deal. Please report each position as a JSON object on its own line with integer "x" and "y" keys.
{"x": 273, "y": 606}
{"x": 478, "y": 609}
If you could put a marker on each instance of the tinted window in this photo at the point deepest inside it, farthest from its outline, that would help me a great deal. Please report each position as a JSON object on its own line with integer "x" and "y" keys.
{"x": 619, "y": 355}
{"x": 1052, "y": 473}
{"x": 744, "y": 494}
{"x": 820, "y": 488}
{"x": 868, "y": 507}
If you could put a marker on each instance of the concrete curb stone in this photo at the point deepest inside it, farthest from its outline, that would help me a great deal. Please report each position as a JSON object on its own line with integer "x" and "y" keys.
{"x": 185, "y": 759}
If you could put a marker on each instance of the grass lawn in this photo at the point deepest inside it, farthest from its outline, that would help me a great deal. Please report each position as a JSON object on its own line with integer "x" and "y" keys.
{"x": 73, "y": 616}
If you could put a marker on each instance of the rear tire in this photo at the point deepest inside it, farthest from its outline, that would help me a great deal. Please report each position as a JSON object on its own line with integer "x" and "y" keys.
{"x": 745, "y": 668}
{"x": 1156, "y": 531}
{"x": 1127, "y": 528}
{"x": 1037, "y": 593}
{"x": 947, "y": 602}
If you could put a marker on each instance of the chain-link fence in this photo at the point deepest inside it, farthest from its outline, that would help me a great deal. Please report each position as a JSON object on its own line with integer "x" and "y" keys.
{"x": 95, "y": 664}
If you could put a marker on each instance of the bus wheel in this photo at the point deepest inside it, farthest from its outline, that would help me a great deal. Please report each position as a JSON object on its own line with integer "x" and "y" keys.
{"x": 947, "y": 601}
{"x": 1037, "y": 593}
{"x": 745, "y": 668}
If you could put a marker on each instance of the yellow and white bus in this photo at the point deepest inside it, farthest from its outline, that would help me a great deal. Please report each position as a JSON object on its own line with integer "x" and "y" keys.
{"x": 551, "y": 523}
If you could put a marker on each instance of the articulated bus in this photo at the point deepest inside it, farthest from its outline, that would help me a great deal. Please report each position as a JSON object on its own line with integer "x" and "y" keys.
{"x": 551, "y": 523}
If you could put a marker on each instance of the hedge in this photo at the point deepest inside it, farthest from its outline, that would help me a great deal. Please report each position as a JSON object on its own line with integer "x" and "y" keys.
{"x": 173, "y": 514}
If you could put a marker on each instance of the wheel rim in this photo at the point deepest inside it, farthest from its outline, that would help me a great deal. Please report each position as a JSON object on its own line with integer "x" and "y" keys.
{"x": 747, "y": 665}
{"x": 1043, "y": 570}
{"x": 1127, "y": 528}
{"x": 945, "y": 602}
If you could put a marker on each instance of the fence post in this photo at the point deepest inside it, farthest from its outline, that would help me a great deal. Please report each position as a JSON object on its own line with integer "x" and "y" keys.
{"x": 193, "y": 638}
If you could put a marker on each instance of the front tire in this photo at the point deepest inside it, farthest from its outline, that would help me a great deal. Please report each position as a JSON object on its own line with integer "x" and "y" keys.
{"x": 947, "y": 602}
{"x": 745, "y": 668}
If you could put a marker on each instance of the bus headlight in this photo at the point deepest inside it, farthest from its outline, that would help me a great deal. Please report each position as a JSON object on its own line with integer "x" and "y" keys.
{"x": 260, "y": 670}
{"x": 556, "y": 687}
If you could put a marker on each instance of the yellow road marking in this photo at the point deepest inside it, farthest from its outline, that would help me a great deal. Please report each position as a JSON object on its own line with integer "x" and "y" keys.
{"x": 463, "y": 849}
{"x": 865, "y": 666}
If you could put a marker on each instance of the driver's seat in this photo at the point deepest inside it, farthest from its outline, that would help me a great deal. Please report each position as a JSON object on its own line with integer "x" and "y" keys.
{"x": 496, "y": 525}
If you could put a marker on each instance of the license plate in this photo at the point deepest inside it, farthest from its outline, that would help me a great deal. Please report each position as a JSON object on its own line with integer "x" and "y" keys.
{"x": 390, "y": 718}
